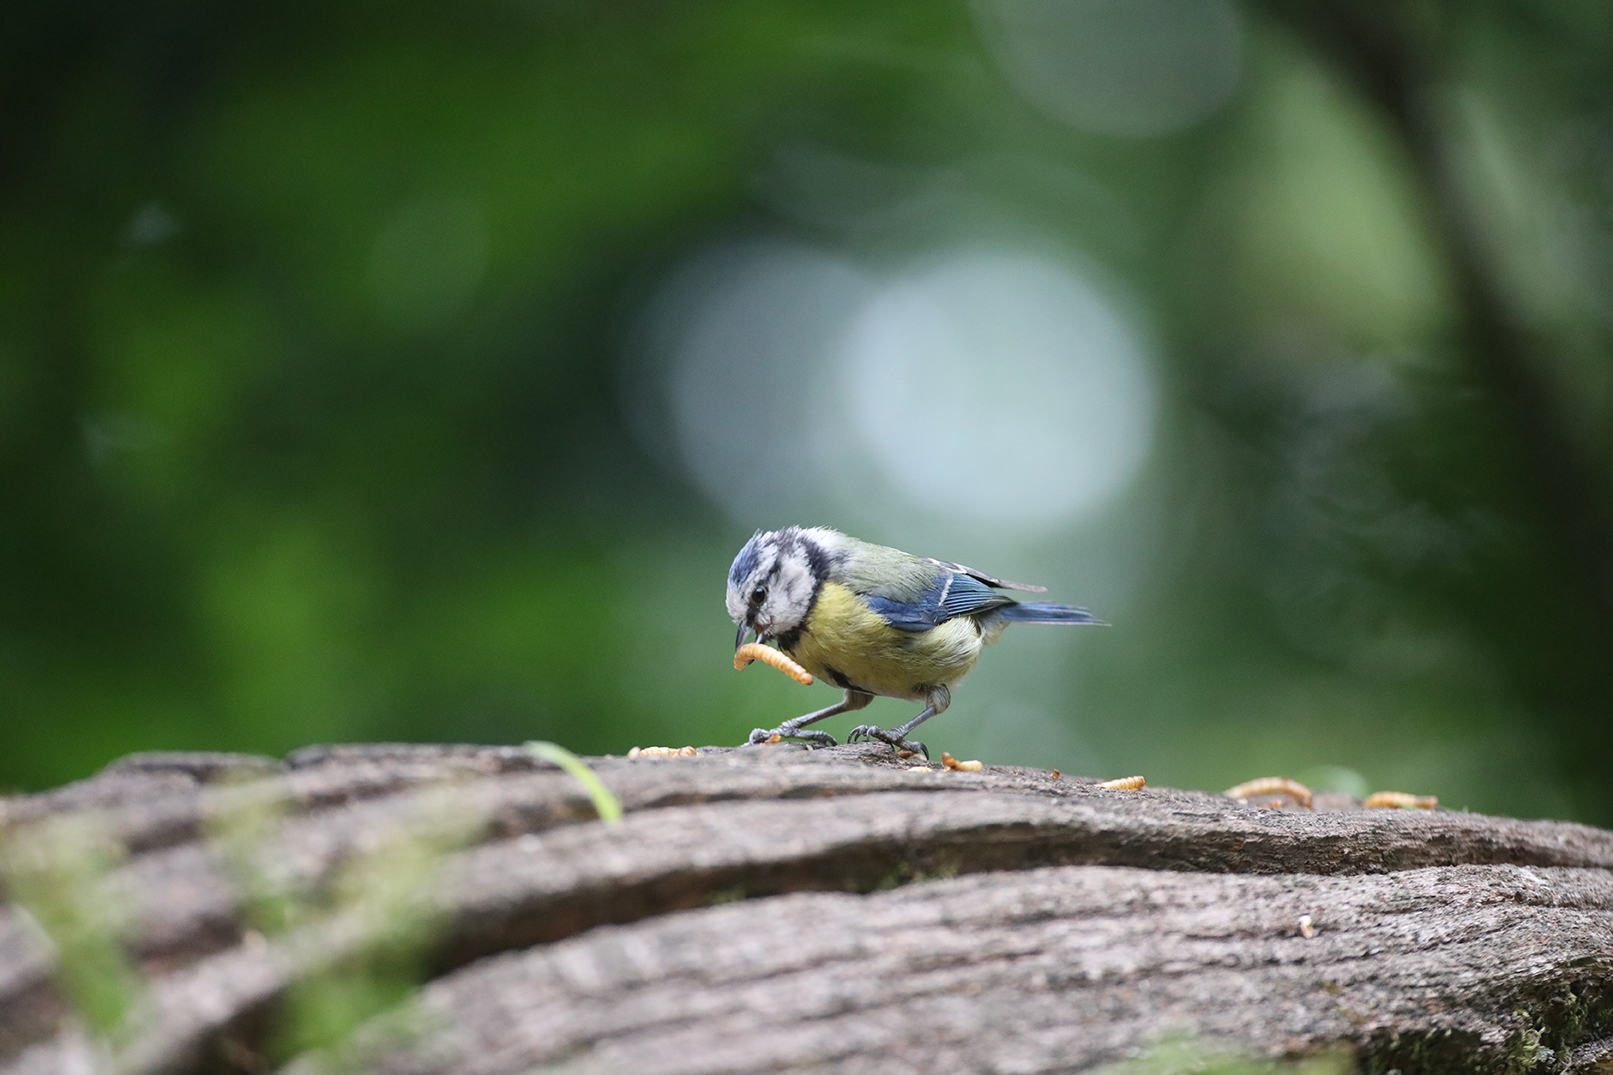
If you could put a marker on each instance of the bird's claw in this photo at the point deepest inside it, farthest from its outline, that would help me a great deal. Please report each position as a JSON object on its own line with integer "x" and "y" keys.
{"x": 784, "y": 731}
{"x": 869, "y": 731}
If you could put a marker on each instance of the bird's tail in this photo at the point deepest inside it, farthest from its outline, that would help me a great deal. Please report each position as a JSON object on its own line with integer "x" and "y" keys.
{"x": 1042, "y": 612}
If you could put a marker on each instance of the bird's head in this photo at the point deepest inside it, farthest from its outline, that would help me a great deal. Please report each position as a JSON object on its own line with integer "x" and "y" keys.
{"x": 775, "y": 579}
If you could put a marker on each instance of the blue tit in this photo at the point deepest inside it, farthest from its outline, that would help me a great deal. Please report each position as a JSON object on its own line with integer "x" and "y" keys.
{"x": 873, "y": 621}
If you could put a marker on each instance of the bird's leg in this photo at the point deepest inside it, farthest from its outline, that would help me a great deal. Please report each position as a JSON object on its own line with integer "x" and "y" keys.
{"x": 791, "y": 729}
{"x": 939, "y": 698}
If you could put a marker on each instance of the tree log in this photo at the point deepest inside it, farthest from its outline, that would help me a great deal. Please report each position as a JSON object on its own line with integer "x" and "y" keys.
{"x": 779, "y": 909}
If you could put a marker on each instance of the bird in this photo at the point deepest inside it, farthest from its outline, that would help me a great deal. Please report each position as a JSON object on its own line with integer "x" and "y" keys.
{"x": 872, "y": 620}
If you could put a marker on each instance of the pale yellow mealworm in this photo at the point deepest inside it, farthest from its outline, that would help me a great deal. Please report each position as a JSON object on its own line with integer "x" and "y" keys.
{"x": 755, "y": 651}
{"x": 661, "y": 752}
{"x": 1271, "y": 785}
{"x": 1400, "y": 800}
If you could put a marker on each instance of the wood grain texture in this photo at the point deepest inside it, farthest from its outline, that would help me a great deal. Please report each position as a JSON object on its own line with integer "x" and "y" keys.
{"x": 774, "y": 908}
{"x": 1043, "y": 970}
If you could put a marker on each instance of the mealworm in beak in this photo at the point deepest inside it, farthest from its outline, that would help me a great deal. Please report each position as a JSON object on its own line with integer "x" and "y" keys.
{"x": 755, "y": 651}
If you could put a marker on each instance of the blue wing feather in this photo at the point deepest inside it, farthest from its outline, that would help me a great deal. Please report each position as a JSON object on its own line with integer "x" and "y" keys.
{"x": 969, "y": 595}
{"x": 951, "y": 595}
{"x": 903, "y": 615}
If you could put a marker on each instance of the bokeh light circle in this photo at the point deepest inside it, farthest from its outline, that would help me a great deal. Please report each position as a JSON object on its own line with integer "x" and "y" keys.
{"x": 991, "y": 390}
{"x": 999, "y": 387}
{"x": 746, "y": 327}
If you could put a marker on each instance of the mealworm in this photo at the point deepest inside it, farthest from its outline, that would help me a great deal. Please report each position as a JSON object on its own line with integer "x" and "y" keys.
{"x": 1400, "y": 800}
{"x": 661, "y": 752}
{"x": 755, "y": 651}
{"x": 1271, "y": 785}
{"x": 966, "y": 766}
{"x": 1125, "y": 783}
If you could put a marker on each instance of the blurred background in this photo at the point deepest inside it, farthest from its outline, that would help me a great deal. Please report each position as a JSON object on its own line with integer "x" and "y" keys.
{"x": 406, "y": 371}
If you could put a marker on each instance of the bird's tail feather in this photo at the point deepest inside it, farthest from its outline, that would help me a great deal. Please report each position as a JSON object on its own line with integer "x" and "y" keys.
{"x": 1042, "y": 612}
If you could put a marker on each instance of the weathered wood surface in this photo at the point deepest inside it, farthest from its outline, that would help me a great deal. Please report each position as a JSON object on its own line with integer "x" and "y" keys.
{"x": 774, "y": 909}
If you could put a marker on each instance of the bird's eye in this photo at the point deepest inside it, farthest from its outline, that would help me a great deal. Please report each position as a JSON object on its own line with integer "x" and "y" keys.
{"x": 758, "y": 595}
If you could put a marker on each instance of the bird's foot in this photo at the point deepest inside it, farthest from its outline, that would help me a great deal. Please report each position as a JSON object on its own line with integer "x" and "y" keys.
{"x": 869, "y": 731}
{"x": 785, "y": 731}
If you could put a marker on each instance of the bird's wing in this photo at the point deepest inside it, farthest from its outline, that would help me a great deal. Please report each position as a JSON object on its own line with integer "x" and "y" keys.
{"x": 981, "y": 576}
{"x": 951, "y": 595}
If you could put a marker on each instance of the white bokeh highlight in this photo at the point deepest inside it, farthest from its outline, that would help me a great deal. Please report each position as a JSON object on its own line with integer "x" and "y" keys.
{"x": 990, "y": 391}
{"x": 999, "y": 387}
{"x": 739, "y": 340}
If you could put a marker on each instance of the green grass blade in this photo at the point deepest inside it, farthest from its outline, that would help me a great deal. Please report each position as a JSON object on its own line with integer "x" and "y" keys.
{"x": 606, "y": 805}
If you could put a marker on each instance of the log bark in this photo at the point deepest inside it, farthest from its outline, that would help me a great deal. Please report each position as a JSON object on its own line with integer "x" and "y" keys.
{"x": 779, "y": 909}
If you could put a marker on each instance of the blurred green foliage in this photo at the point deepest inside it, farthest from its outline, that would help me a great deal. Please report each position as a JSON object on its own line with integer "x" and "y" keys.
{"x": 55, "y": 870}
{"x": 1188, "y": 1056}
{"x": 311, "y": 325}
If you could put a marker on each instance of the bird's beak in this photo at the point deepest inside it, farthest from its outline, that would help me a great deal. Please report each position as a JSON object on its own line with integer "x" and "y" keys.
{"x": 739, "y": 639}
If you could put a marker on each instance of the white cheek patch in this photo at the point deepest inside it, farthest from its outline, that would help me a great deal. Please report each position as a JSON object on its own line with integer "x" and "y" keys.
{"x": 792, "y": 594}
{"x": 800, "y": 590}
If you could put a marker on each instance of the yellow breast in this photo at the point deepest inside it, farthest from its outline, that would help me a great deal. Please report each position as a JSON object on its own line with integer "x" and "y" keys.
{"x": 845, "y": 642}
